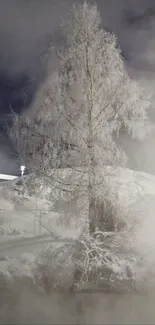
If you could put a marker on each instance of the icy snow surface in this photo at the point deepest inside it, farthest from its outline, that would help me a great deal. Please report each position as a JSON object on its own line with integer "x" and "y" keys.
{"x": 23, "y": 232}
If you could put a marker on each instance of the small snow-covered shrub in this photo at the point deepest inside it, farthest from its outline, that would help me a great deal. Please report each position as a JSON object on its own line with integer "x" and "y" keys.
{"x": 55, "y": 268}
{"x": 109, "y": 216}
{"x": 98, "y": 266}
{"x": 90, "y": 263}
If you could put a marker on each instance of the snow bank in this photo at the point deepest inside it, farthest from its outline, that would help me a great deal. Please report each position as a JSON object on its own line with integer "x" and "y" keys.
{"x": 134, "y": 192}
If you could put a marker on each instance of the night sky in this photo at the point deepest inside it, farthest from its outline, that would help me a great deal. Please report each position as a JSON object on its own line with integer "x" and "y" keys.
{"x": 26, "y": 26}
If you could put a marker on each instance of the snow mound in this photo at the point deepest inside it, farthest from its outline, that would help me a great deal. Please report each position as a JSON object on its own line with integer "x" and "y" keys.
{"x": 26, "y": 212}
{"x": 130, "y": 253}
{"x": 132, "y": 187}
{"x": 135, "y": 193}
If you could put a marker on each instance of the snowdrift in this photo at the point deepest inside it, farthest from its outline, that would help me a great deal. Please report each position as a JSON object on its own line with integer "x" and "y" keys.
{"x": 129, "y": 256}
{"x": 29, "y": 207}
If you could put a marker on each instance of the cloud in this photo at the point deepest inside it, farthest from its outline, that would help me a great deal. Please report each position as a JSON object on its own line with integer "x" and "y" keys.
{"x": 24, "y": 29}
{"x": 27, "y": 25}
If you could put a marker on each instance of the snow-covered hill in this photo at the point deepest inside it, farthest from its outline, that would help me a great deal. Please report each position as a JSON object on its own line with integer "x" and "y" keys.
{"x": 20, "y": 207}
{"x": 133, "y": 192}
{"x": 136, "y": 196}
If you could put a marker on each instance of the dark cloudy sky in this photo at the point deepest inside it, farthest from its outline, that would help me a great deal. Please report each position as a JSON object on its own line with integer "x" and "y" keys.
{"x": 26, "y": 26}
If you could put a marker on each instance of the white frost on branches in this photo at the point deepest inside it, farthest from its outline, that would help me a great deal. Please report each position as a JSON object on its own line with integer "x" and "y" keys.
{"x": 90, "y": 99}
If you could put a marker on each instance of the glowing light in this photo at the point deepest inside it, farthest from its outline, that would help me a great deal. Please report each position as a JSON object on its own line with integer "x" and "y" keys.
{"x": 22, "y": 168}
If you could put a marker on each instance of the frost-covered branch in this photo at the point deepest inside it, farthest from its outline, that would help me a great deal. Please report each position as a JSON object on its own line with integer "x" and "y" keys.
{"x": 89, "y": 100}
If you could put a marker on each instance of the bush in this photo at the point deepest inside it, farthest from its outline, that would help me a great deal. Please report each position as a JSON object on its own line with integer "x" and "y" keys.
{"x": 55, "y": 268}
{"x": 91, "y": 263}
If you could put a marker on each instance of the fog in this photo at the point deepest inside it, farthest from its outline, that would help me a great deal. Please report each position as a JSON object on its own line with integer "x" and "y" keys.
{"x": 26, "y": 26}
{"x": 9, "y": 162}
{"x": 22, "y": 306}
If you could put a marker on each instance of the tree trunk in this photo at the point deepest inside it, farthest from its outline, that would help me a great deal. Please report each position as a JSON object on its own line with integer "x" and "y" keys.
{"x": 92, "y": 215}
{"x": 90, "y": 148}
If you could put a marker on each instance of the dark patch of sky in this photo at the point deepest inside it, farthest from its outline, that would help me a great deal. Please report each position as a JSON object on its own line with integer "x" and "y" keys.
{"x": 27, "y": 25}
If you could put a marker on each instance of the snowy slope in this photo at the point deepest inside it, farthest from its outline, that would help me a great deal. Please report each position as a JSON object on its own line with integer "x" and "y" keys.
{"x": 132, "y": 186}
{"x": 133, "y": 192}
{"x": 135, "y": 195}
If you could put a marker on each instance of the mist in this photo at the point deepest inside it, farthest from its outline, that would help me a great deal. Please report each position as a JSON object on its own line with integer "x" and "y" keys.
{"x": 27, "y": 27}
{"x": 26, "y": 307}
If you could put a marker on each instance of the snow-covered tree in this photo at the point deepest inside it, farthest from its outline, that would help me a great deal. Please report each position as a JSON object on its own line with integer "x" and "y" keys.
{"x": 89, "y": 101}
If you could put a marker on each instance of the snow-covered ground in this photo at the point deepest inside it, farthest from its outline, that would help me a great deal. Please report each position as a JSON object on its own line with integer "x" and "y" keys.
{"x": 23, "y": 237}
{"x": 29, "y": 215}
{"x": 29, "y": 223}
